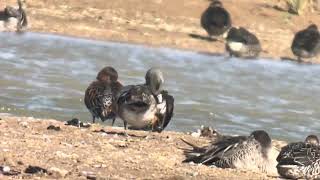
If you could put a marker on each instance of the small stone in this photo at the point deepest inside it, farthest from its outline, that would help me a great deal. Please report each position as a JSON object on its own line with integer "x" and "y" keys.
{"x": 55, "y": 128}
{"x": 58, "y": 173}
{"x": 35, "y": 170}
{"x": 6, "y": 169}
{"x": 196, "y": 134}
{"x": 89, "y": 175}
{"x": 24, "y": 124}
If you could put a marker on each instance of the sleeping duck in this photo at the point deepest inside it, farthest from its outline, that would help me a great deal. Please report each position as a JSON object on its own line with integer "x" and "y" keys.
{"x": 300, "y": 160}
{"x": 215, "y": 19}
{"x": 254, "y": 152}
{"x": 306, "y": 43}
{"x": 242, "y": 43}
{"x": 146, "y": 106}
{"x": 12, "y": 19}
{"x": 101, "y": 95}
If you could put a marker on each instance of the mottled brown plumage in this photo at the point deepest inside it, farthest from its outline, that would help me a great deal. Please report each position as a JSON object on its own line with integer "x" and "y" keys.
{"x": 100, "y": 96}
{"x": 306, "y": 43}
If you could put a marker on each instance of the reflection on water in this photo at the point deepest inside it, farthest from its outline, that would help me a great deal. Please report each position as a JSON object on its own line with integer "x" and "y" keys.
{"x": 46, "y": 76}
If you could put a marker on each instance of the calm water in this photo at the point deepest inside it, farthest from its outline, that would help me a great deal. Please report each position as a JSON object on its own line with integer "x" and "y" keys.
{"x": 46, "y": 76}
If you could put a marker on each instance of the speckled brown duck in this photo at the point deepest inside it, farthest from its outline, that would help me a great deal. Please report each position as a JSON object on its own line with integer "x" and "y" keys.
{"x": 216, "y": 19}
{"x": 242, "y": 43}
{"x": 300, "y": 160}
{"x": 254, "y": 152}
{"x": 13, "y": 19}
{"x": 306, "y": 43}
{"x": 146, "y": 106}
{"x": 101, "y": 95}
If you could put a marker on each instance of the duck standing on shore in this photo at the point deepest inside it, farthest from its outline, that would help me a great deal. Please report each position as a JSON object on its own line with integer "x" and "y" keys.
{"x": 12, "y": 19}
{"x": 101, "y": 95}
{"x": 254, "y": 152}
{"x": 215, "y": 19}
{"x": 146, "y": 106}
{"x": 242, "y": 43}
{"x": 306, "y": 43}
{"x": 300, "y": 160}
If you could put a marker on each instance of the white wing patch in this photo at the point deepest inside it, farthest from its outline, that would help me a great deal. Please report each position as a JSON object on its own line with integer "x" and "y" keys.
{"x": 235, "y": 46}
{"x": 161, "y": 106}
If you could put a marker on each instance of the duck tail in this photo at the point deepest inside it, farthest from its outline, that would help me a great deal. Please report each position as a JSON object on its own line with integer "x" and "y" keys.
{"x": 194, "y": 154}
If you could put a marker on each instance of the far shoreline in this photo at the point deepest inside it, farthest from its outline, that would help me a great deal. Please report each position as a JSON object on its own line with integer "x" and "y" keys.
{"x": 158, "y": 24}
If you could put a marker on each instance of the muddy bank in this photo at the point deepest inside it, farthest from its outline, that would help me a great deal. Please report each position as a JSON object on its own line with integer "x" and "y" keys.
{"x": 100, "y": 152}
{"x": 166, "y": 23}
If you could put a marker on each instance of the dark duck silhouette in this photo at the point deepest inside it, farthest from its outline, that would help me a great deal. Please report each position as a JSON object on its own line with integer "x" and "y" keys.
{"x": 242, "y": 43}
{"x": 146, "y": 106}
{"x": 300, "y": 160}
{"x": 13, "y": 19}
{"x": 101, "y": 95}
{"x": 254, "y": 152}
{"x": 306, "y": 43}
{"x": 215, "y": 19}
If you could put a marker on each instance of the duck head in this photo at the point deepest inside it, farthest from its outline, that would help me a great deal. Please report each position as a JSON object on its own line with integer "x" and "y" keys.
{"x": 264, "y": 139}
{"x": 139, "y": 99}
{"x": 107, "y": 74}
{"x": 154, "y": 80}
{"x": 216, "y": 3}
{"x": 312, "y": 139}
{"x": 236, "y": 34}
{"x": 313, "y": 27}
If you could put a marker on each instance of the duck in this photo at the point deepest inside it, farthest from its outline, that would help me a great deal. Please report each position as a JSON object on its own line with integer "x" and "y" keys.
{"x": 12, "y": 19}
{"x": 146, "y": 106}
{"x": 254, "y": 152}
{"x": 215, "y": 19}
{"x": 100, "y": 96}
{"x": 300, "y": 160}
{"x": 242, "y": 43}
{"x": 306, "y": 43}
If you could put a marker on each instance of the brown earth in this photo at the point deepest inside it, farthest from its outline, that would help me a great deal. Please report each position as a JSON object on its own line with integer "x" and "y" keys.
{"x": 100, "y": 152}
{"x": 166, "y": 22}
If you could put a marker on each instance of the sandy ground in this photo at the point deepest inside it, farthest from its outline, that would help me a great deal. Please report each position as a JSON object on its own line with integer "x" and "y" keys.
{"x": 100, "y": 152}
{"x": 166, "y": 22}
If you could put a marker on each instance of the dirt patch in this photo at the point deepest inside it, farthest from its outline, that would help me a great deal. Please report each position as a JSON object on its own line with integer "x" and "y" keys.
{"x": 167, "y": 23}
{"x": 32, "y": 150}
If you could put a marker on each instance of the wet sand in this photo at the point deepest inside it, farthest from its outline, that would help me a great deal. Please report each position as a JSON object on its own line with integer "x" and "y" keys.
{"x": 167, "y": 23}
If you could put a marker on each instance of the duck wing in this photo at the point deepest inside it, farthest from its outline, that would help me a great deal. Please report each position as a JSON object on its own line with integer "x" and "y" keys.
{"x": 98, "y": 99}
{"x": 165, "y": 117}
{"x": 216, "y": 151}
{"x": 300, "y": 154}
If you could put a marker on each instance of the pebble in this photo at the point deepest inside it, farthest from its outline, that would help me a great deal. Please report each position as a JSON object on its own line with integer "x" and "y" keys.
{"x": 6, "y": 169}
{"x": 89, "y": 174}
{"x": 196, "y": 134}
{"x": 24, "y": 124}
{"x": 58, "y": 173}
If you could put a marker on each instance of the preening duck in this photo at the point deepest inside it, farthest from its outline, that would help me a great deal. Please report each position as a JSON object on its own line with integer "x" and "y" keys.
{"x": 101, "y": 95}
{"x": 252, "y": 152}
{"x": 146, "y": 106}
{"x": 13, "y": 19}
{"x": 306, "y": 43}
{"x": 300, "y": 160}
{"x": 215, "y": 19}
{"x": 242, "y": 43}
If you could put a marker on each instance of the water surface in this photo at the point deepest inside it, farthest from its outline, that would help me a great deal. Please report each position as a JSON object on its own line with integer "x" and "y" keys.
{"x": 45, "y": 76}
